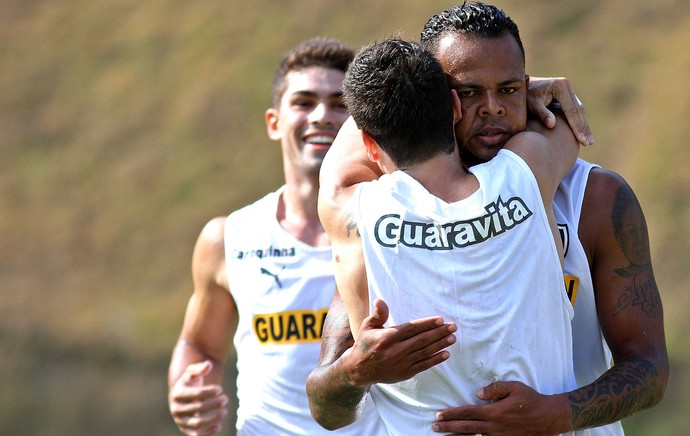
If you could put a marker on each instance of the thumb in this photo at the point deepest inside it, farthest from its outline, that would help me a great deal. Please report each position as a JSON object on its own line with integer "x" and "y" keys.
{"x": 494, "y": 392}
{"x": 195, "y": 372}
{"x": 379, "y": 315}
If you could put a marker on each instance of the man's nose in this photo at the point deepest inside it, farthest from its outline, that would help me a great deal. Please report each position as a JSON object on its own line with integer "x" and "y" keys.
{"x": 322, "y": 114}
{"x": 492, "y": 106}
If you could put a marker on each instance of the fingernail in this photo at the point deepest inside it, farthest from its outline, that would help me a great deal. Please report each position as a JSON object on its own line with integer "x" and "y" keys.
{"x": 480, "y": 393}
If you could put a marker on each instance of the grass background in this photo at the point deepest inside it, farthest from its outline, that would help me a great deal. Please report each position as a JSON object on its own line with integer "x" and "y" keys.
{"x": 125, "y": 126}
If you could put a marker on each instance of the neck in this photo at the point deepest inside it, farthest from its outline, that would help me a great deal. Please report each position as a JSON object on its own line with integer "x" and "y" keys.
{"x": 298, "y": 212}
{"x": 444, "y": 177}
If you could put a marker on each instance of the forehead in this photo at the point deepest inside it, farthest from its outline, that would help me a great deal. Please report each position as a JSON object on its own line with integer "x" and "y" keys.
{"x": 481, "y": 59}
{"x": 319, "y": 81}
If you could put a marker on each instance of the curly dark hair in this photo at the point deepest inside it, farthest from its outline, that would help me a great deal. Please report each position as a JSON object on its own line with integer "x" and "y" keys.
{"x": 473, "y": 19}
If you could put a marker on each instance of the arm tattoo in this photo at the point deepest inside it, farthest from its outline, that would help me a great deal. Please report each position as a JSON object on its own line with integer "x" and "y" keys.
{"x": 627, "y": 388}
{"x": 352, "y": 225}
{"x": 630, "y": 230}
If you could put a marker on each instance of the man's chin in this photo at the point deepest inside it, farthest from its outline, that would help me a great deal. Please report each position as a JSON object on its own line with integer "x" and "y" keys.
{"x": 470, "y": 158}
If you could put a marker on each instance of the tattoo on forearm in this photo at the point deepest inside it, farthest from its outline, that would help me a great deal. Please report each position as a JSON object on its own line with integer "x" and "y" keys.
{"x": 628, "y": 388}
{"x": 630, "y": 230}
{"x": 336, "y": 337}
{"x": 336, "y": 401}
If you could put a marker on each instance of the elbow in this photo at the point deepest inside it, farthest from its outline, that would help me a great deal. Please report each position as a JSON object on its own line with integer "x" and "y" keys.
{"x": 663, "y": 374}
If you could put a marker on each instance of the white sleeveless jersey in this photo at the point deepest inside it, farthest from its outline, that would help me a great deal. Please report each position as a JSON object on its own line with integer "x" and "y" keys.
{"x": 591, "y": 355}
{"x": 282, "y": 288}
{"x": 487, "y": 263}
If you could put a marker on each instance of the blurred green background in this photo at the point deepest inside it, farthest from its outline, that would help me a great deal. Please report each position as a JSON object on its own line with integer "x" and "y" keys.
{"x": 126, "y": 125}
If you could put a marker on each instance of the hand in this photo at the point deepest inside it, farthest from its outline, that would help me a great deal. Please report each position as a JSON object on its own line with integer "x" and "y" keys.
{"x": 544, "y": 91}
{"x": 197, "y": 408}
{"x": 516, "y": 409}
{"x": 389, "y": 355}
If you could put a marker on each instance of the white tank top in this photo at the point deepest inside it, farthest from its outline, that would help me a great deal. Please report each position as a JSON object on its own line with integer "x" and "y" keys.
{"x": 282, "y": 288}
{"x": 591, "y": 355}
{"x": 488, "y": 263}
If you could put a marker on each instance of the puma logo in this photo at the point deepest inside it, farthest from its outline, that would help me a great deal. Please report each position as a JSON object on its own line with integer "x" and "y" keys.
{"x": 275, "y": 276}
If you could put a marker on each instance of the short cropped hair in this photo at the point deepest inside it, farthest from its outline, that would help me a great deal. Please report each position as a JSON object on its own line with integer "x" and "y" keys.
{"x": 315, "y": 52}
{"x": 397, "y": 93}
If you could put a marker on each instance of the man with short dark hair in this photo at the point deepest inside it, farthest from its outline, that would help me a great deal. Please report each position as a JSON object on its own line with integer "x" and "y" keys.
{"x": 618, "y": 312}
{"x": 432, "y": 238}
{"x": 263, "y": 276}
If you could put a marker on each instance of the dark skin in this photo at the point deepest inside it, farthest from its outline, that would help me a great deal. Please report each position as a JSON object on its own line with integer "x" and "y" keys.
{"x": 631, "y": 317}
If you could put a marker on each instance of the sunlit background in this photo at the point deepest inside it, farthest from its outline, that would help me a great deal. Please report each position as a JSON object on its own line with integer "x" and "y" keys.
{"x": 126, "y": 125}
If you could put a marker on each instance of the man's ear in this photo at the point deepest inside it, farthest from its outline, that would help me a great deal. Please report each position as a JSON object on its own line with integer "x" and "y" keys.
{"x": 371, "y": 146}
{"x": 272, "y": 117}
{"x": 457, "y": 108}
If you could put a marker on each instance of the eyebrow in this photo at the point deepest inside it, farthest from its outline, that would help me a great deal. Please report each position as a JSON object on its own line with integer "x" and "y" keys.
{"x": 474, "y": 86}
{"x": 312, "y": 94}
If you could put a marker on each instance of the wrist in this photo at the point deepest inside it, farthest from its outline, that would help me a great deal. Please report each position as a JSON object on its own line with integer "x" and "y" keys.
{"x": 349, "y": 374}
{"x": 561, "y": 415}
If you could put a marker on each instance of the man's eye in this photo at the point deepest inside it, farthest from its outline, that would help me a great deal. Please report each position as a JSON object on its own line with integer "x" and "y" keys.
{"x": 467, "y": 93}
{"x": 302, "y": 103}
{"x": 508, "y": 90}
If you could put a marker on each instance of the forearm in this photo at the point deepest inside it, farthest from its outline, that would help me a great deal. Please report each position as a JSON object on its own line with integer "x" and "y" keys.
{"x": 334, "y": 401}
{"x": 630, "y": 386}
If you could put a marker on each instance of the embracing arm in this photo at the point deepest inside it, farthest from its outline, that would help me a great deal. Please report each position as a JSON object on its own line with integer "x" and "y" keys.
{"x": 614, "y": 233}
{"x": 381, "y": 355}
{"x": 550, "y": 154}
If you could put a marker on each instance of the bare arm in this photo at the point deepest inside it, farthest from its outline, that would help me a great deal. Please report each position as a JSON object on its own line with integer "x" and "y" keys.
{"x": 550, "y": 154}
{"x": 381, "y": 355}
{"x": 614, "y": 233}
{"x": 631, "y": 318}
{"x": 545, "y": 91}
{"x": 195, "y": 396}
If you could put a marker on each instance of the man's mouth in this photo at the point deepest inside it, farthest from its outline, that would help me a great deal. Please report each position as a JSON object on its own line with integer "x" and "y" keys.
{"x": 319, "y": 140}
{"x": 493, "y": 137}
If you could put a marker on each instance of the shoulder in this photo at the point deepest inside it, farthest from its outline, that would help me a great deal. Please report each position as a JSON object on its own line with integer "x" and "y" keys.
{"x": 530, "y": 146}
{"x": 602, "y": 187}
{"x": 607, "y": 195}
{"x": 208, "y": 260}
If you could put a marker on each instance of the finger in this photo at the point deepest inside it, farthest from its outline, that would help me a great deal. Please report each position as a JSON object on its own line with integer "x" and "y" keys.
{"x": 196, "y": 393}
{"x": 574, "y": 112}
{"x": 185, "y": 409}
{"x": 459, "y": 426}
{"x": 203, "y": 423}
{"x": 462, "y": 413}
{"x": 494, "y": 391}
{"x": 429, "y": 362}
{"x": 379, "y": 315}
{"x": 414, "y": 328}
{"x": 429, "y": 342}
{"x": 545, "y": 115}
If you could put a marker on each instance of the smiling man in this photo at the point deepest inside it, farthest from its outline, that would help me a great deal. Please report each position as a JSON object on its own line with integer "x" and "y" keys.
{"x": 263, "y": 274}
